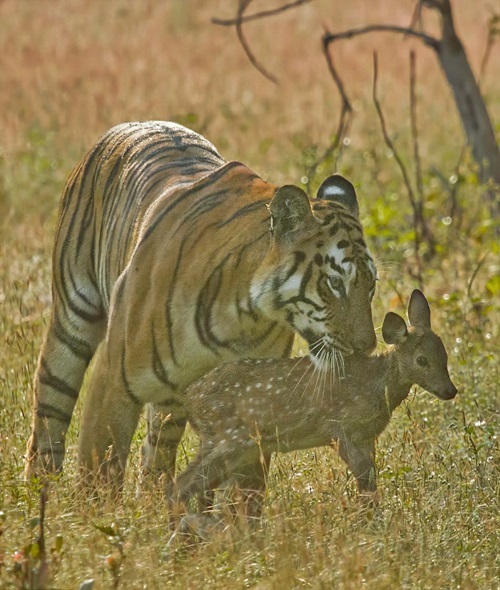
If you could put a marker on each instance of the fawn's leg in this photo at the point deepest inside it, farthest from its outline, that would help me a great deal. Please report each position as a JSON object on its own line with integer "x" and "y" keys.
{"x": 215, "y": 467}
{"x": 166, "y": 425}
{"x": 360, "y": 459}
{"x": 251, "y": 480}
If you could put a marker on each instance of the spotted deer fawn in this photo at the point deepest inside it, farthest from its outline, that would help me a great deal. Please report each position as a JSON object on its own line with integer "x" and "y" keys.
{"x": 245, "y": 408}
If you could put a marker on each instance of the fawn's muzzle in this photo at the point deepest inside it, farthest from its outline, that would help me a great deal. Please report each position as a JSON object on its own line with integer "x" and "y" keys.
{"x": 448, "y": 393}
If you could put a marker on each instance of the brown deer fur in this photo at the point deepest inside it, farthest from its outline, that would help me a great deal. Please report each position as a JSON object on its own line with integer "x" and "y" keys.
{"x": 242, "y": 410}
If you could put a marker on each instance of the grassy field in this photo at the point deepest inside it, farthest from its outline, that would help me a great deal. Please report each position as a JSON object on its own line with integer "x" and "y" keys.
{"x": 70, "y": 69}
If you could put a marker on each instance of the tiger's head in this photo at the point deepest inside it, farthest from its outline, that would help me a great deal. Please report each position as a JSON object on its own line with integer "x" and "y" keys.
{"x": 318, "y": 275}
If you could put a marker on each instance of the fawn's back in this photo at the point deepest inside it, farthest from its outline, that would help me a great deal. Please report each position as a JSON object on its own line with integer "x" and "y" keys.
{"x": 288, "y": 401}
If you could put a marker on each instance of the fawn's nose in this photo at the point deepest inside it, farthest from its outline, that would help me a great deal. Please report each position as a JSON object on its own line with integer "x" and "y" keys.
{"x": 450, "y": 392}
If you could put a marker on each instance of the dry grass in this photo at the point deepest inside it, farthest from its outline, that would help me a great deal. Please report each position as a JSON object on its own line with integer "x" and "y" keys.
{"x": 69, "y": 69}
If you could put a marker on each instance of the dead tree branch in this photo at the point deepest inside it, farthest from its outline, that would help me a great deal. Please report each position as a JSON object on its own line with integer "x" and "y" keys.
{"x": 493, "y": 33}
{"x": 345, "y": 118}
{"x": 454, "y": 63}
{"x": 426, "y": 231}
{"x": 350, "y": 33}
{"x": 417, "y": 222}
{"x": 414, "y": 127}
{"x": 246, "y": 47}
{"x": 241, "y": 18}
{"x": 229, "y": 22}
{"x": 473, "y": 113}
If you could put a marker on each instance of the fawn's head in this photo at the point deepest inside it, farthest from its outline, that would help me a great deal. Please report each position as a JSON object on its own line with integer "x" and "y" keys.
{"x": 420, "y": 353}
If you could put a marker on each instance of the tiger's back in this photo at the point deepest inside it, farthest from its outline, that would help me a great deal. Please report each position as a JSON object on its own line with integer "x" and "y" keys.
{"x": 164, "y": 253}
{"x": 109, "y": 193}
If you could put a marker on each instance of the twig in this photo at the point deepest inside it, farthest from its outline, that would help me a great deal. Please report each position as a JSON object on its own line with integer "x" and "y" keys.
{"x": 243, "y": 5}
{"x": 345, "y": 116}
{"x": 493, "y": 33}
{"x": 414, "y": 127}
{"x": 392, "y": 147}
{"x": 426, "y": 232}
{"x": 416, "y": 17}
{"x": 474, "y": 274}
{"x": 228, "y": 22}
{"x": 349, "y": 34}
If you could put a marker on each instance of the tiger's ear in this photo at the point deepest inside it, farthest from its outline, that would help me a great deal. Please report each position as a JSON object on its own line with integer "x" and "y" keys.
{"x": 290, "y": 211}
{"x": 339, "y": 189}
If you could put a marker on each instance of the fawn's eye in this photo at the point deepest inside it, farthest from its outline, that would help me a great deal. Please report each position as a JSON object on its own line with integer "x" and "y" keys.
{"x": 422, "y": 361}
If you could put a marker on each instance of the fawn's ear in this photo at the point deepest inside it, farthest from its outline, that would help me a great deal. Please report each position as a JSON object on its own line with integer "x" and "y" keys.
{"x": 290, "y": 212}
{"x": 419, "y": 312}
{"x": 394, "y": 329}
{"x": 339, "y": 189}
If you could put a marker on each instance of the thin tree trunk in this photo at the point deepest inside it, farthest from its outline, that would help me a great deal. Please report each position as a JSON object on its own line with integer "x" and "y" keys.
{"x": 473, "y": 113}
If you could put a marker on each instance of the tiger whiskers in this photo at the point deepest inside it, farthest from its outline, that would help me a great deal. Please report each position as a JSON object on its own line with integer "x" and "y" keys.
{"x": 309, "y": 367}
{"x": 328, "y": 364}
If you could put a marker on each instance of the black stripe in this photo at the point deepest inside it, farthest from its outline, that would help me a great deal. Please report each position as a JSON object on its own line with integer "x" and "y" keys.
{"x": 48, "y": 411}
{"x": 65, "y": 298}
{"x": 301, "y": 297}
{"x": 306, "y": 277}
{"x": 205, "y": 205}
{"x": 251, "y": 244}
{"x": 246, "y": 210}
{"x": 334, "y": 266}
{"x": 299, "y": 258}
{"x": 204, "y": 305}
{"x": 126, "y": 384}
{"x": 197, "y": 187}
{"x": 47, "y": 378}
{"x": 158, "y": 368}
{"x": 78, "y": 347}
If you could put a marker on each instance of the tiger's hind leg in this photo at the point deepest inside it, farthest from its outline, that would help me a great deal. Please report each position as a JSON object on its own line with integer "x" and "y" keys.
{"x": 166, "y": 425}
{"x": 70, "y": 344}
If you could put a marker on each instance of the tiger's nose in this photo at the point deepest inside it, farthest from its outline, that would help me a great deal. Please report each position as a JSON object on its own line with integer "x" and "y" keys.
{"x": 366, "y": 343}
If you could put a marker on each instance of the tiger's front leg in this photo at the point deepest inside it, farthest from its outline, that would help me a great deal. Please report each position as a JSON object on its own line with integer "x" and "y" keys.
{"x": 110, "y": 417}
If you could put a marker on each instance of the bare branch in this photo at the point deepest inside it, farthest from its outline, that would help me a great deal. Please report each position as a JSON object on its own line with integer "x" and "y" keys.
{"x": 402, "y": 167}
{"x": 344, "y": 118}
{"x": 443, "y": 6}
{"x": 258, "y": 15}
{"x": 243, "y": 5}
{"x": 493, "y": 33}
{"x": 350, "y": 33}
{"x": 416, "y": 18}
{"x": 414, "y": 127}
{"x": 426, "y": 232}
{"x": 474, "y": 274}
{"x": 333, "y": 71}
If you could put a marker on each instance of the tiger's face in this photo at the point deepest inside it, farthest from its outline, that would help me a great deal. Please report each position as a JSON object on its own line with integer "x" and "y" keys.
{"x": 318, "y": 276}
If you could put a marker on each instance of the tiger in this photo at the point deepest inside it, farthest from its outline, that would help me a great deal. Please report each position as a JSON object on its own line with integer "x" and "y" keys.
{"x": 169, "y": 260}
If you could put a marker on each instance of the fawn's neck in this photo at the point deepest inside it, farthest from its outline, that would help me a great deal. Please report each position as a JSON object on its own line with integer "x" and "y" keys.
{"x": 396, "y": 386}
